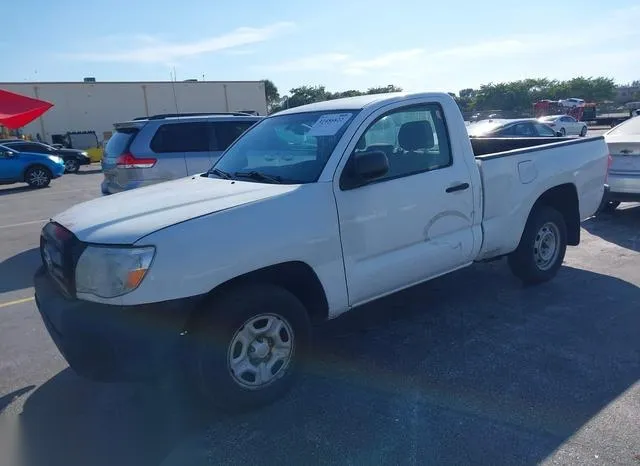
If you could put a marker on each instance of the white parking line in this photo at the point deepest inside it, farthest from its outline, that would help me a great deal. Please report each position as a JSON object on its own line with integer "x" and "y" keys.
{"x": 23, "y": 224}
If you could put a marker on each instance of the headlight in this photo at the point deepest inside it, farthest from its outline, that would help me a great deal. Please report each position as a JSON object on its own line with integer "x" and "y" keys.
{"x": 108, "y": 272}
{"x": 84, "y": 154}
{"x": 56, "y": 159}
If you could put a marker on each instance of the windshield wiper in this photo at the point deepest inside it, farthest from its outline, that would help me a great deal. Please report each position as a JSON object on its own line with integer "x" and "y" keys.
{"x": 259, "y": 176}
{"x": 219, "y": 173}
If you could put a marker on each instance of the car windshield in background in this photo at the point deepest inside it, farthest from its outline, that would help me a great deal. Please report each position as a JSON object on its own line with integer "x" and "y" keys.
{"x": 629, "y": 127}
{"x": 291, "y": 148}
{"x": 482, "y": 128}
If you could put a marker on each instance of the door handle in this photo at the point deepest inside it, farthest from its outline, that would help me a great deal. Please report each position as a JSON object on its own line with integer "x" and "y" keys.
{"x": 457, "y": 187}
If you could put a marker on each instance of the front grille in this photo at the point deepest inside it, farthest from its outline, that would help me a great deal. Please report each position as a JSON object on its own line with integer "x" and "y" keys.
{"x": 60, "y": 250}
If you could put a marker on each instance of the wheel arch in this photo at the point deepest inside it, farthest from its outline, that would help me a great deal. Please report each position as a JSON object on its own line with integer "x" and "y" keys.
{"x": 34, "y": 165}
{"x": 297, "y": 277}
{"x": 563, "y": 198}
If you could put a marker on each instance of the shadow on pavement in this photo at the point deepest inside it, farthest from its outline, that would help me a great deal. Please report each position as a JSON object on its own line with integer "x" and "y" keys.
{"x": 16, "y": 190}
{"x": 621, "y": 227}
{"x": 17, "y": 271}
{"x": 469, "y": 368}
{"x": 8, "y": 399}
{"x": 90, "y": 171}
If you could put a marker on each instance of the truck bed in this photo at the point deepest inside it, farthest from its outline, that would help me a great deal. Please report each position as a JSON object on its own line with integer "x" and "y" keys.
{"x": 486, "y": 148}
{"x": 516, "y": 171}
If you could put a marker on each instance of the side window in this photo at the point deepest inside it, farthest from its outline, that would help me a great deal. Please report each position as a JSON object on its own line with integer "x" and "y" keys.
{"x": 37, "y": 148}
{"x": 544, "y": 130}
{"x": 414, "y": 139}
{"x": 506, "y": 131}
{"x": 229, "y": 131}
{"x": 17, "y": 146}
{"x": 181, "y": 137}
{"x": 524, "y": 129}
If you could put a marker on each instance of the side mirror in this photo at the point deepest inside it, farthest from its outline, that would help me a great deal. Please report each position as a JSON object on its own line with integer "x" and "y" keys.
{"x": 364, "y": 167}
{"x": 8, "y": 153}
{"x": 558, "y": 134}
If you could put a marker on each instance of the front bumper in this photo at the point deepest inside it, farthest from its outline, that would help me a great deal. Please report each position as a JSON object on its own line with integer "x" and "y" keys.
{"x": 84, "y": 161}
{"x": 58, "y": 171}
{"x": 112, "y": 343}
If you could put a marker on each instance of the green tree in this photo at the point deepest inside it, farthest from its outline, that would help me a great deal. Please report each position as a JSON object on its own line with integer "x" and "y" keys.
{"x": 272, "y": 94}
{"x": 349, "y": 93}
{"x": 519, "y": 96}
{"x": 305, "y": 95}
{"x": 467, "y": 93}
{"x": 384, "y": 89}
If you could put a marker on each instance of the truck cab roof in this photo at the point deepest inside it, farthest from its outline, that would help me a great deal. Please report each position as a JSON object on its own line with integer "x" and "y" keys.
{"x": 370, "y": 101}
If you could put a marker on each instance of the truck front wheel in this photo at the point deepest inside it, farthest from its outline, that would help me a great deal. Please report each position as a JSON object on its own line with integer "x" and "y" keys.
{"x": 249, "y": 345}
{"x": 542, "y": 247}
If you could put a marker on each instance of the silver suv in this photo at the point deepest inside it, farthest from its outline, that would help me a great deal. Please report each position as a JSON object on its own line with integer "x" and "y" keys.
{"x": 160, "y": 148}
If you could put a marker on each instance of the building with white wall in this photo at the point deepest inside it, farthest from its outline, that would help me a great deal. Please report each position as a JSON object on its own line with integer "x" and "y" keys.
{"x": 96, "y": 106}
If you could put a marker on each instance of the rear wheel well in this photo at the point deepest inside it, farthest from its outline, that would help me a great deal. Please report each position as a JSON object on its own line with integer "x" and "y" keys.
{"x": 296, "y": 277}
{"x": 564, "y": 198}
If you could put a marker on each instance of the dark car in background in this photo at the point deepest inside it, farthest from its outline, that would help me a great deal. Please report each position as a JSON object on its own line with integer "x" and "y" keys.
{"x": 72, "y": 158}
{"x": 502, "y": 128}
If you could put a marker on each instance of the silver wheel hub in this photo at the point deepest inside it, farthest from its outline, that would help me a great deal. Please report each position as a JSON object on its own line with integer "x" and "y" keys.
{"x": 38, "y": 177}
{"x": 70, "y": 164}
{"x": 545, "y": 247}
{"x": 260, "y": 351}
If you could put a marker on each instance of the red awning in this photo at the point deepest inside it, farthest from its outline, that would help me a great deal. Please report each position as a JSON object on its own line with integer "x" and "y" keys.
{"x": 18, "y": 110}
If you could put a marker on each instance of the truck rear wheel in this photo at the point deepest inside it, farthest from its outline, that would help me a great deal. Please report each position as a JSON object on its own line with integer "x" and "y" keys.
{"x": 249, "y": 346}
{"x": 542, "y": 246}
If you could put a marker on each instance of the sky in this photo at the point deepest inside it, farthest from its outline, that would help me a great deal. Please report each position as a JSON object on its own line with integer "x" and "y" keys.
{"x": 417, "y": 45}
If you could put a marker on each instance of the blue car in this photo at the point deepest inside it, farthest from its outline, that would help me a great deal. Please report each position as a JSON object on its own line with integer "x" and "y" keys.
{"x": 37, "y": 170}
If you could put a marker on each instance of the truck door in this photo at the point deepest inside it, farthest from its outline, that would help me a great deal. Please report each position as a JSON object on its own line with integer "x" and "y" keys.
{"x": 416, "y": 221}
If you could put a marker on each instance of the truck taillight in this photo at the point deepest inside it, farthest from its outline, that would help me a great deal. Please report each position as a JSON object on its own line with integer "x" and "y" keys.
{"x": 128, "y": 160}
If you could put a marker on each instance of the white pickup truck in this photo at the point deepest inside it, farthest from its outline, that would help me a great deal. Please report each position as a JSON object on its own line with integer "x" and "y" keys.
{"x": 314, "y": 211}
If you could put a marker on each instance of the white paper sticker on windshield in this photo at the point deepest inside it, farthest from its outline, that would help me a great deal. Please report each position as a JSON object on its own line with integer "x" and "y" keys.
{"x": 329, "y": 124}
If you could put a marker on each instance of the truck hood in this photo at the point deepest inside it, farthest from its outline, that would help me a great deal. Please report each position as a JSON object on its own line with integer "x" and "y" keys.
{"x": 126, "y": 217}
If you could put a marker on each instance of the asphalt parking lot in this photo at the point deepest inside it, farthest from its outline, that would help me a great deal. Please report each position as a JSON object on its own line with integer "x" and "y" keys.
{"x": 471, "y": 368}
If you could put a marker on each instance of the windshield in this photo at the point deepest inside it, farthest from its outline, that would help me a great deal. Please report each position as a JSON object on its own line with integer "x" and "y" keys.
{"x": 630, "y": 127}
{"x": 291, "y": 148}
{"x": 549, "y": 118}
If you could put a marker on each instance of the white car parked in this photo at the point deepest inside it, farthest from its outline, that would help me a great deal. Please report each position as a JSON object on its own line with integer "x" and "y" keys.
{"x": 624, "y": 173}
{"x": 571, "y": 102}
{"x": 565, "y": 124}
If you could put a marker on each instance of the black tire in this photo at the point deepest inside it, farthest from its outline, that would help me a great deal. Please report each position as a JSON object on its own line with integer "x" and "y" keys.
{"x": 583, "y": 132}
{"x": 611, "y": 206}
{"x": 71, "y": 166}
{"x": 230, "y": 315}
{"x": 526, "y": 261}
{"x": 563, "y": 131}
{"x": 38, "y": 176}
